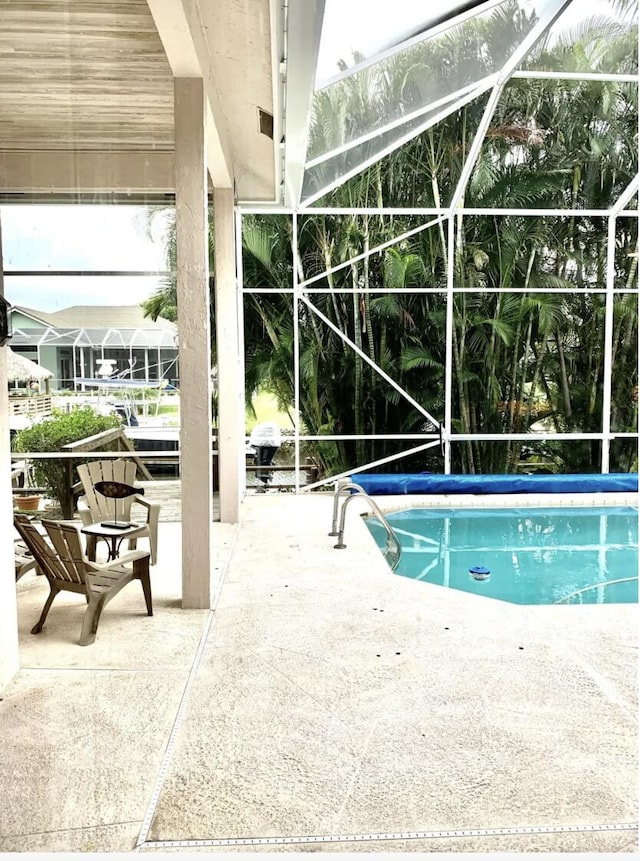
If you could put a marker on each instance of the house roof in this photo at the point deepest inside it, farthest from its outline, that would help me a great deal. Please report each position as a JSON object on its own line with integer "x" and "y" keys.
{"x": 95, "y": 325}
{"x": 98, "y": 317}
{"x": 21, "y": 369}
{"x": 35, "y": 315}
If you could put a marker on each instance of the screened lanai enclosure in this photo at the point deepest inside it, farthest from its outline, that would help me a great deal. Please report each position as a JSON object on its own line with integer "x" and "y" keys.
{"x": 445, "y": 278}
{"x": 457, "y": 288}
{"x": 411, "y": 228}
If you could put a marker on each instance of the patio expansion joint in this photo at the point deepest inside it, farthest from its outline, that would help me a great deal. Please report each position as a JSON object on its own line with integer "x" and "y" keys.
{"x": 93, "y": 670}
{"x": 168, "y": 753}
{"x": 93, "y": 826}
{"x": 391, "y": 835}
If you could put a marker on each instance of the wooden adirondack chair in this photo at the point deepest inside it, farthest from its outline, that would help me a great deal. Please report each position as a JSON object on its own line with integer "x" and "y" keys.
{"x": 23, "y": 558}
{"x": 94, "y": 508}
{"x": 68, "y": 569}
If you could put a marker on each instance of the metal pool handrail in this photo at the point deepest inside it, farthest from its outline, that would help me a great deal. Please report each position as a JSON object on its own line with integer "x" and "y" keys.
{"x": 594, "y": 586}
{"x": 393, "y": 548}
{"x": 342, "y": 486}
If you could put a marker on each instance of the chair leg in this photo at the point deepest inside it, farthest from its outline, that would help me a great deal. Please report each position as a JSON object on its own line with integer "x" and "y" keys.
{"x": 91, "y": 547}
{"x": 47, "y": 606}
{"x": 91, "y": 619}
{"x": 141, "y": 571}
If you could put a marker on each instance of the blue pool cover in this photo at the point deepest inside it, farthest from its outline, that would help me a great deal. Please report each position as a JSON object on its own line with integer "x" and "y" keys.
{"x": 427, "y": 482}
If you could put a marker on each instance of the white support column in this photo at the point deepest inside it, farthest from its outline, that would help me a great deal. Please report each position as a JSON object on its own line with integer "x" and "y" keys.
{"x": 608, "y": 344}
{"x": 242, "y": 471}
{"x": 296, "y": 347}
{"x": 448, "y": 340}
{"x": 9, "y": 662}
{"x": 230, "y": 360}
{"x": 194, "y": 338}
{"x": 9, "y": 659}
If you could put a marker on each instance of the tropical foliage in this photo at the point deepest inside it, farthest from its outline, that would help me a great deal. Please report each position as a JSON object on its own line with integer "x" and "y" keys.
{"x": 52, "y": 434}
{"x": 520, "y": 359}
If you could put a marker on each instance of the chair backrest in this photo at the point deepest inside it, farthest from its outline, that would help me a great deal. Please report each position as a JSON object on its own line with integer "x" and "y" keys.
{"x": 64, "y": 561}
{"x": 23, "y": 558}
{"x": 100, "y": 506}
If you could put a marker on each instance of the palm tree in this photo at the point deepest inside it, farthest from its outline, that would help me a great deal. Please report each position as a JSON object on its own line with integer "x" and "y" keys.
{"x": 519, "y": 357}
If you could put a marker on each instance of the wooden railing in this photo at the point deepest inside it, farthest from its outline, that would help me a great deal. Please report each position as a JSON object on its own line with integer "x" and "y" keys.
{"x": 114, "y": 438}
{"x": 30, "y": 405}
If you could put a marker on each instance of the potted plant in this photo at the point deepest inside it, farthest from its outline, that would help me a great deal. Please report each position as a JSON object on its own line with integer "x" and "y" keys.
{"x": 27, "y": 497}
{"x": 28, "y": 500}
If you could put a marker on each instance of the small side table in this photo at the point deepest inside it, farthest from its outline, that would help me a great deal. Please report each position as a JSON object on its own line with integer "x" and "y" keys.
{"x": 113, "y": 537}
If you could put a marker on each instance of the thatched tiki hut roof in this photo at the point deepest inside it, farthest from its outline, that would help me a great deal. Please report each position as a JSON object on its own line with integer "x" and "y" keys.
{"x": 21, "y": 370}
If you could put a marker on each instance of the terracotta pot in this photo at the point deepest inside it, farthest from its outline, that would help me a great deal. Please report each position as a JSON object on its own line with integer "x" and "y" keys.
{"x": 28, "y": 503}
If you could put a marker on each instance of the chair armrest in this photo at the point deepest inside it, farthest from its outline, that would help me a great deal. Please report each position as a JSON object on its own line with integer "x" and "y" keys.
{"x": 84, "y": 511}
{"x": 149, "y": 504}
{"x": 153, "y": 516}
{"x": 123, "y": 559}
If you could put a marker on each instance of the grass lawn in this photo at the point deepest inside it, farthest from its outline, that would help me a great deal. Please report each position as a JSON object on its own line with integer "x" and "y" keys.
{"x": 266, "y": 407}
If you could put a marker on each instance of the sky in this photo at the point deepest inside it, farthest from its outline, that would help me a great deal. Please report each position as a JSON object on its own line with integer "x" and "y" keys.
{"x": 92, "y": 238}
{"x": 350, "y": 25}
{"x": 354, "y": 25}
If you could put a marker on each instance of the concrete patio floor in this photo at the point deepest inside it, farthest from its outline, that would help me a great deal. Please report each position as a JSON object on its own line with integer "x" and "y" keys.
{"x": 323, "y": 705}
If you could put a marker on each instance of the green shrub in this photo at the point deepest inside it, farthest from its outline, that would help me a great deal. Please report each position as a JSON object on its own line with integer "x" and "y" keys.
{"x": 51, "y": 435}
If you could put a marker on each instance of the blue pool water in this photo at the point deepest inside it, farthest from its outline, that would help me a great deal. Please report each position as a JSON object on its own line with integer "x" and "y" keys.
{"x": 535, "y": 556}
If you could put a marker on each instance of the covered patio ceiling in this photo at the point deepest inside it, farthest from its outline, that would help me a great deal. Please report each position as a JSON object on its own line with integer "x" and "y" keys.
{"x": 87, "y": 96}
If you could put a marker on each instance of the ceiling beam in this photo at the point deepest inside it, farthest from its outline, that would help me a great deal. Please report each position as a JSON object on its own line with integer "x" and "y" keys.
{"x": 303, "y": 28}
{"x": 278, "y": 90}
{"x": 179, "y": 27}
{"x": 76, "y": 172}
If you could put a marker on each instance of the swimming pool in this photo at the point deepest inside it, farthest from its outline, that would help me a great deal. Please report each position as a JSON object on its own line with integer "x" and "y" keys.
{"x": 534, "y": 556}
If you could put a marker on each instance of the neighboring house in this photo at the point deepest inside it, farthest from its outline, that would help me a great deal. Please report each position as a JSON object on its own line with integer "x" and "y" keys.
{"x": 73, "y": 343}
